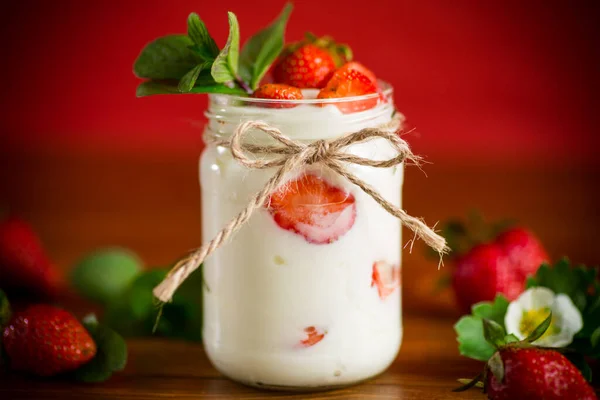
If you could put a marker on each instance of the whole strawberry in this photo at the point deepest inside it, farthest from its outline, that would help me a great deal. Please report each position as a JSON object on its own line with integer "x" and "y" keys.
{"x": 520, "y": 371}
{"x": 533, "y": 373}
{"x": 277, "y": 91}
{"x": 46, "y": 340}
{"x": 308, "y": 66}
{"x": 498, "y": 261}
{"x": 24, "y": 265}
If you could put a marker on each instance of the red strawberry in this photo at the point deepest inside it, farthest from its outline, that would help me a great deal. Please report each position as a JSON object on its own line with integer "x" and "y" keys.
{"x": 313, "y": 338}
{"x": 348, "y": 83}
{"x": 355, "y": 65}
{"x": 385, "y": 277}
{"x": 533, "y": 373}
{"x": 499, "y": 266}
{"x": 24, "y": 265}
{"x": 308, "y": 66}
{"x": 278, "y": 91}
{"x": 311, "y": 207}
{"x": 46, "y": 340}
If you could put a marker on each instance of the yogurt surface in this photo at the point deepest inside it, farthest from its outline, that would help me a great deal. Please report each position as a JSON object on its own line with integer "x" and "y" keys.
{"x": 296, "y": 298}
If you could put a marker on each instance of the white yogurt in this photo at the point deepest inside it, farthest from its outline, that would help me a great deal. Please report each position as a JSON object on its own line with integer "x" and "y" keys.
{"x": 268, "y": 285}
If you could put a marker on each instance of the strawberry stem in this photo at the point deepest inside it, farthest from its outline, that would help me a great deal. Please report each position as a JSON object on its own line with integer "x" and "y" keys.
{"x": 243, "y": 85}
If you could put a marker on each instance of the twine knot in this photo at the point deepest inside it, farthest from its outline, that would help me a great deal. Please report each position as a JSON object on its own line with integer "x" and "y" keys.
{"x": 290, "y": 155}
{"x": 320, "y": 150}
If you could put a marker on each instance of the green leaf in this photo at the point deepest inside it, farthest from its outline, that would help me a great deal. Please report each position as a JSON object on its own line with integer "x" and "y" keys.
{"x": 493, "y": 332}
{"x": 151, "y": 88}
{"x": 186, "y": 84}
{"x": 225, "y": 67}
{"x": 579, "y": 283}
{"x": 5, "y": 311}
{"x": 168, "y": 57}
{"x": 135, "y": 313}
{"x": 111, "y": 355}
{"x": 262, "y": 49}
{"x": 105, "y": 273}
{"x": 595, "y": 338}
{"x": 204, "y": 44}
{"x": 494, "y": 311}
{"x": 471, "y": 341}
{"x": 539, "y": 330}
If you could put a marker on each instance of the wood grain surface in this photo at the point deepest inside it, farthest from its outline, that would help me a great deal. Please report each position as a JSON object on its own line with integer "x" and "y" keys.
{"x": 150, "y": 202}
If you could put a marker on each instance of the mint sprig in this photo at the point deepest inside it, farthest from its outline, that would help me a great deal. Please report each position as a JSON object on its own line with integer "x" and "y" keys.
{"x": 177, "y": 64}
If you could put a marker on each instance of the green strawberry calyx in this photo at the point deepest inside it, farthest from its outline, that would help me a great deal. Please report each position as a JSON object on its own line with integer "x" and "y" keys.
{"x": 496, "y": 336}
{"x": 340, "y": 52}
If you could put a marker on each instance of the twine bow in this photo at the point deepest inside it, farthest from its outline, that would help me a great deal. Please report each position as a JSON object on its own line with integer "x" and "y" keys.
{"x": 290, "y": 155}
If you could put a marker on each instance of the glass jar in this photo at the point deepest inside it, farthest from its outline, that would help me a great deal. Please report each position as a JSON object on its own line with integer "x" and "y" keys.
{"x": 306, "y": 295}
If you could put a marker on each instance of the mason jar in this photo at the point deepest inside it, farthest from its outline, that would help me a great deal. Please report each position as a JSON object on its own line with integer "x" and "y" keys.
{"x": 306, "y": 295}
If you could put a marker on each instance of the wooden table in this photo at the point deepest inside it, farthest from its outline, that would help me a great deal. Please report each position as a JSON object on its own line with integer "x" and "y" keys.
{"x": 426, "y": 369}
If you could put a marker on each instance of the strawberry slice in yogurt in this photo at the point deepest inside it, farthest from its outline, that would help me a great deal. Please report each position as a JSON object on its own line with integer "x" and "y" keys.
{"x": 313, "y": 336}
{"x": 314, "y": 209}
{"x": 385, "y": 277}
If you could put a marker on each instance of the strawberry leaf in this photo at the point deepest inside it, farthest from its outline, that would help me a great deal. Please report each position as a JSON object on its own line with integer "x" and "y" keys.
{"x": 494, "y": 311}
{"x": 205, "y": 45}
{"x": 579, "y": 283}
{"x": 469, "y": 329}
{"x": 5, "y": 311}
{"x": 262, "y": 49}
{"x": 470, "y": 338}
{"x": 111, "y": 355}
{"x": 225, "y": 67}
{"x": 539, "y": 330}
{"x": 168, "y": 57}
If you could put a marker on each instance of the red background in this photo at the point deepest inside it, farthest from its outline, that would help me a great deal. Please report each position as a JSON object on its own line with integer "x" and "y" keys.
{"x": 504, "y": 96}
{"x": 482, "y": 81}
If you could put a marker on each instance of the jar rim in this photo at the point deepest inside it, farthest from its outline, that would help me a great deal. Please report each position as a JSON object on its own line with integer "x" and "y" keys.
{"x": 385, "y": 89}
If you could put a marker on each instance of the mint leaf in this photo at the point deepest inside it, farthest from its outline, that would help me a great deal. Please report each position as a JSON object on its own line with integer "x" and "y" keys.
{"x": 471, "y": 341}
{"x": 262, "y": 49}
{"x": 205, "y": 44}
{"x": 187, "y": 83}
{"x": 151, "y": 88}
{"x": 494, "y": 311}
{"x": 493, "y": 332}
{"x": 168, "y": 57}
{"x": 225, "y": 67}
{"x": 111, "y": 355}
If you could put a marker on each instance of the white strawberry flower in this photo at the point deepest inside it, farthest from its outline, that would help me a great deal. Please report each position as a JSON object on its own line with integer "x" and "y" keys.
{"x": 533, "y": 306}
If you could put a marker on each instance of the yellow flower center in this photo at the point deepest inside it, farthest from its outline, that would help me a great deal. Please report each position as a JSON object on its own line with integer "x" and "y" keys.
{"x": 531, "y": 319}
